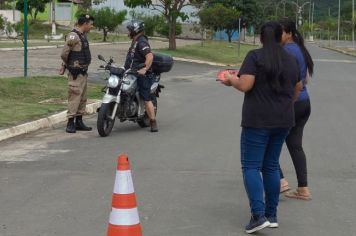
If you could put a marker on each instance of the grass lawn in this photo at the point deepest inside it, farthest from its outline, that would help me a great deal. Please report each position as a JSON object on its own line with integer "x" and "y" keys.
{"x": 20, "y": 98}
{"x": 214, "y": 51}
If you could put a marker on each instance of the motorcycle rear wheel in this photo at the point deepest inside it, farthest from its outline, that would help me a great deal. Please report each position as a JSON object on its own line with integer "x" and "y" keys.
{"x": 145, "y": 121}
{"x": 104, "y": 122}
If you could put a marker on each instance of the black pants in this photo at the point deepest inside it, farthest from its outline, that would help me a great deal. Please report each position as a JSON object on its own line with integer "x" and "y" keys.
{"x": 294, "y": 142}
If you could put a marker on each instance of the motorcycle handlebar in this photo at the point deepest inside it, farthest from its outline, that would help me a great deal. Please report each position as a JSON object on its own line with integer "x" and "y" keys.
{"x": 120, "y": 71}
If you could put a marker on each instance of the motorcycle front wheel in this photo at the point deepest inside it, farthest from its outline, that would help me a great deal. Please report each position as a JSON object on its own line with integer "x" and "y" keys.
{"x": 104, "y": 122}
{"x": 145, "y": 121}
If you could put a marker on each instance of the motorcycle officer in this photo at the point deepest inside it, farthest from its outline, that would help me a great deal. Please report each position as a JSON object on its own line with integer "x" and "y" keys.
{"x": 76, "y": 58}
{"x": 140, "y": 52}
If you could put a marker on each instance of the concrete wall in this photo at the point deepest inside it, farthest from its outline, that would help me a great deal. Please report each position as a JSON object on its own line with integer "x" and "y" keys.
{"x": 12, "y": 16}
{"x": 64, "y": 11}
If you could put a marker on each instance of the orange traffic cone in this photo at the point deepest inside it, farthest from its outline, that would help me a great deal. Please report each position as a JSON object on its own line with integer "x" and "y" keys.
{"x": 124, "y": 219}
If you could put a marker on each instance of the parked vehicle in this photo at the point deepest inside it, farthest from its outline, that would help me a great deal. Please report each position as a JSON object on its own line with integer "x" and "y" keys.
{"x": 122, "y": 100}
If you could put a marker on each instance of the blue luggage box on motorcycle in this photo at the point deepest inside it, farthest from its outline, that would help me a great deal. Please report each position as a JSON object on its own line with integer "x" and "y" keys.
{"x": 161, "y": 63}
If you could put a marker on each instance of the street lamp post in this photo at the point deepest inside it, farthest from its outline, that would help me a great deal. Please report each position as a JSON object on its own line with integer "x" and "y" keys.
{"x": 298, "y": 16}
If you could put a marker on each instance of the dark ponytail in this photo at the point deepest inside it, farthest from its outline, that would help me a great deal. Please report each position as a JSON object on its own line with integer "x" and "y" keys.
{"x": 289, "y": 27}
{"x": 271, "y": 33}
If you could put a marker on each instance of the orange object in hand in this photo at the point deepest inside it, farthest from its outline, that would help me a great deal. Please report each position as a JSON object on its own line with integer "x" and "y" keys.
{"x": 221, "y": 74}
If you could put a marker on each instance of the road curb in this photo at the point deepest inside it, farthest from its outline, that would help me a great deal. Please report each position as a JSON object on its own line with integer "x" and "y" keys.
{"x": 42, "y": 123}
{"x": 201, "y": 62}
{"x": 338, "y": 50}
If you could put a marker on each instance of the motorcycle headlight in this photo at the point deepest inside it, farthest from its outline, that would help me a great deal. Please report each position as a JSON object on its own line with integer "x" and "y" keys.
{"x": 113, "y": 81}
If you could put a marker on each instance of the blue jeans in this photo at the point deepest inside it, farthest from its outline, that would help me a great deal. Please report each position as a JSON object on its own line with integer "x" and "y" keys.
{"x": 260, "y": 151}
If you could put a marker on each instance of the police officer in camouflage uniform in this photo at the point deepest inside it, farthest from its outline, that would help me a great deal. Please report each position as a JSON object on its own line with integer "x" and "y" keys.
{"x": 140, "y": 52}
{"x": 76, "y": 58}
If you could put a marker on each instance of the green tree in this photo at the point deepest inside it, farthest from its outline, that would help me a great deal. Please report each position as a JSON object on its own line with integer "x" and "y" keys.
{"x": 220, "y": 17}
{"x": 162, "y": 27}
{"x": 2, "y": 4}
{"x": 107, "y": 19}
{"x": 8, "y": 4}
{"x": 171, "y": 10}
{"x": 151, "y": 22}
{"x": 250, "y": 11}
{"x": 329, "y": 25}
{"x": 34, "y": 7}
{"x": 2, "y": 23}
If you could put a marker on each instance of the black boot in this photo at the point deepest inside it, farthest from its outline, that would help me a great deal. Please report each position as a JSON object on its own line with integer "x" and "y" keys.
{"x": 154, "y": 127}
{"x": 70, "y": 126}
{"x": 79, "y": 124}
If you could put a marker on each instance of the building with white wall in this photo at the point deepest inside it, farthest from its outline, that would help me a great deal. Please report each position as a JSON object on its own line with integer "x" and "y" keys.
{"x": 12, "y": 16}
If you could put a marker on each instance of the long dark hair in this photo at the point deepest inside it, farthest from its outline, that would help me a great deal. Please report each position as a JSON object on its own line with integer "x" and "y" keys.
{"x": 289, "y": 27}
{"x": 271, "y": 34}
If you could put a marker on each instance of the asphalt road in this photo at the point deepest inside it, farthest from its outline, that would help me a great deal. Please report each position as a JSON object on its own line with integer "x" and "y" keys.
{"x": 187, "y": 176}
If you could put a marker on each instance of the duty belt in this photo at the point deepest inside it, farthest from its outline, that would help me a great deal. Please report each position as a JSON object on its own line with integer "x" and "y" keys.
{"x": 75, "y": 71}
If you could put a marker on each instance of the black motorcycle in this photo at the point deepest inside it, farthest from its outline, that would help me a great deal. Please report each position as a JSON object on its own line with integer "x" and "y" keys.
{"x": 122, "y": 100}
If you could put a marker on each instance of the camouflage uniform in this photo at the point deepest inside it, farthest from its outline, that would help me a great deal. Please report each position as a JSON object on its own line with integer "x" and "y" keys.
{"x": 77, "y": 82}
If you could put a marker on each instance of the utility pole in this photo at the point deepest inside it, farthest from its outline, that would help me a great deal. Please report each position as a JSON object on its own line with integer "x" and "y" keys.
{"x": 310, "y": 9}
{"x": 25, "y": 32}
{"x": 239, "y": 41}
{"x": 338, "y": 22}
{"x": 309, "y": 21}
{"x": 53, "y": 16}
{"x": 312, "y": 23}
{"x": 353, "y": 22}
